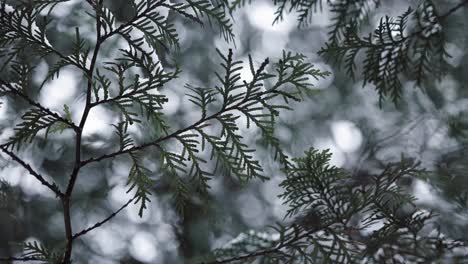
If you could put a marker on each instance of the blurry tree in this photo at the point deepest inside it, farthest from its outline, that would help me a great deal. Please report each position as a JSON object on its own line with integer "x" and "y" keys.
{"x": 129, "y": 53}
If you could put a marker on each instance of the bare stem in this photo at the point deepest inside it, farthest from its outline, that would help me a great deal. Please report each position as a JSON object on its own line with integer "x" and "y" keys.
{"x": 52, "y": 186}
{"x": 100, "y": 223}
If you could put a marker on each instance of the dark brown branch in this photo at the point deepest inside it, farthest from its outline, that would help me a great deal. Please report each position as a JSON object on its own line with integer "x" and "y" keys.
{"x": 79, "y": 132}
{"x": 52, "y": 186}
{"x": 100, "y": 39}
{"x": 107, "y": 219}
{"x": 68, "y": 229}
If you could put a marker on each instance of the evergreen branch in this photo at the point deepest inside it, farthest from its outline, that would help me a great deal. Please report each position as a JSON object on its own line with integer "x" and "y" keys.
{"x": 20, "y": 25}
{"x": 33, "y": 121}
{"x": 140, "y": 93}
{"x": 180, "y": 8}
{"x": 144, "y": 8}
{"x": 385, "y": 55}
{"x": 41, "y": 252}
{"x": 326, "y": 201}
{"x": 173, "y": 164}
{"x": 268, "y": 134}
{"x": 52, "y": 186}
{"x": 234, "y": 4}
{"x": 201, "y": 98}
{"x": 125, "y": 139}
{"x": 391, "y": 54}
{"x": 159, "y": 32}
{"x": 245, "y": 166}
{"x": 140, "y": 180}
{"x": 54, "y": 71}
{"x": 304, "y": 8}
{"x": 228, "y": 147}
{"x": 105, "y": 220}
{"x": 220, "y": 149}
{"x": 16, "y": 92}
{"x": 150, "y": 22}
{"x": 147, "y": 10}
{"x": 348, "y": 12}
{"x": 194, "y": 126}
{"x": 204, "y": 8}
{"x": 190, "y": 151}
{"x": 291, "y": 69}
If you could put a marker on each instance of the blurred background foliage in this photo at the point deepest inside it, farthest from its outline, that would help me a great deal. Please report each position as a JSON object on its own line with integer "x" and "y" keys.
{"x": 428, "y": 124}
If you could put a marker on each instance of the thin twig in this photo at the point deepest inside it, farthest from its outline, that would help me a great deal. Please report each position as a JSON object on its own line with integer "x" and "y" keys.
{"x": 107, "y": 219}
{"x": 52, "y": 186}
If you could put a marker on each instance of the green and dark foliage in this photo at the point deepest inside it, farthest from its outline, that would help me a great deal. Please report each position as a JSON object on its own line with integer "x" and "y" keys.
{"x": 411, "y": 46}
{"x": 332, "y": 216}
{"x": 336, "y": 219}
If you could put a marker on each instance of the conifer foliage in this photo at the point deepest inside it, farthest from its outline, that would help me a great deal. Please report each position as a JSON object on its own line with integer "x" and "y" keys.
{"x": 336, "y": 220}
{"x": 395, "y": 50}
{"x": 331, "y": 218}
{"x": 411, "y": 46}
{"x": 128, "y": 84}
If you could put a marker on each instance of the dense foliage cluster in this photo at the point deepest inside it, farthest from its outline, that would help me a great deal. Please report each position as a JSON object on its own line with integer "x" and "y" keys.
{"x": 411, "y": 46}
{"x": 338, "y": 219}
